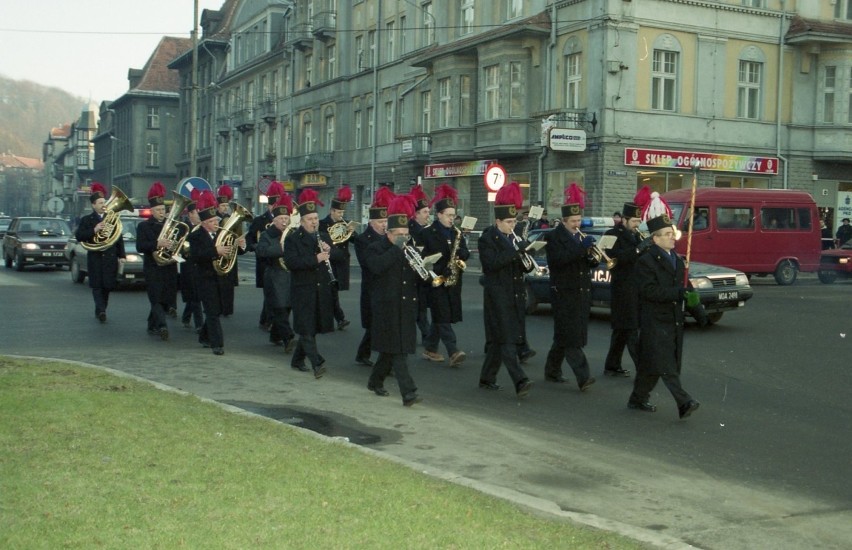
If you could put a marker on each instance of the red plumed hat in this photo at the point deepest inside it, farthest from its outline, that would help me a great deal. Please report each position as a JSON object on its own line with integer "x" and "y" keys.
{"x": 400, "y": 210}
{"x": 284, "y": 205}
{"x": 419, "y": 196}
{"x": 341, "y": 200}
{"x": 224, "y": 193}
{"x": 98, "y": 192}
{"x": 575, "y": 201}
{"x": 206, "y": 205}
{"x": 308, "y": 200}
{"x": 274, "y": 191}
{"x": 381, "y": 201}
{"x": 193, "y": 196}
{"x": 157, "y": 194}
{"x": 657, "y": 213}
{"x": 508, "y": 201}
{"x": 445, "y": 197}
{"x": 640, "y": 200}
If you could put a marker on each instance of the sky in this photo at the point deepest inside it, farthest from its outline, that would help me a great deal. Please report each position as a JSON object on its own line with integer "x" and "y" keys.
{"x": 85, "y": 47}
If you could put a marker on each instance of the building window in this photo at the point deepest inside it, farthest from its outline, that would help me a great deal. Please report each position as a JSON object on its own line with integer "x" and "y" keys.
{"x": 329, "y": 130}
{"x": 390, "y": 32}
{"x": 828, "y": 94}
{"x": 445, "y": 98}
{"x": 152, "y": 155}
{"x": 371, "y": 49}
{"x": 843, "y": 9}
{"x": 358, "y": 129}
{"x": 467, "y": 14}
{"x": 403, "y": 47}
{"x": 153, "y": 118}
{"x": 664, "y": 80}
{"x": 426, "y": 105}
{"x": 573, "y": 79}
{"x": 514, "y": 8}
{"x": 748, "y": 89}
{"x": 849, "y": 112}
{"x": 401, "y": 118}
{"x": 307, "y": 135}
{"x": 331, "y": 61}
{"x": 360, "y": 62}
{"x": 464, "y": 101}
{"x": 371, "y": 124}
{"x": 249, "y": 149}
{"x": 309, "y": 70}
{"x": 492, "y": 92}
{"x": 754, "y": 3}
{"x": 428, "y": 23}
{"x": 516, "y": 92}
{"x": 388, "y": 121}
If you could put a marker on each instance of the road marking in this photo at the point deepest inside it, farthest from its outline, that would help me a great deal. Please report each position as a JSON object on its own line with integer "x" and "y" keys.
{"x": 9, "y": 280}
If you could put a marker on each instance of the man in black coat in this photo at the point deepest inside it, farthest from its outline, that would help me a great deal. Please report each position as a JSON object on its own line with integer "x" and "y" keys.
{"x": 569, "y": 261}
{"x": 376, "y": 228}
{"x": 340, "y": 256}
{"x": 256, "y": 228}
{"x": 394, "y": 309}
{"x": 306, "y": 254}
{"x": 504, "y": 294}
{"x": 161, "y": 280}
{"x": 662, "y": 299}
{"x": 624, "y": 317}
{"x": 192, "y": 311}
{"x": 102, "y": 265}
{"x": 276, "y": 284}
{"x": 416, "y": 225}
{"x": 224, "y": 196}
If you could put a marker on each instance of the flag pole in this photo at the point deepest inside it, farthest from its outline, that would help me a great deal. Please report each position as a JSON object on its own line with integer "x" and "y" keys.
{"x": 694, "y": 164}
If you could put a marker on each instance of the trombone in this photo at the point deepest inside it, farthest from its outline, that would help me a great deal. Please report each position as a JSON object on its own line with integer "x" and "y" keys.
{"x": 599, "y": 254}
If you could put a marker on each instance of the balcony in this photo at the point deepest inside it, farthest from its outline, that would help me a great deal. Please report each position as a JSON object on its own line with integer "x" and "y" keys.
{"x": 832, "y": 143}
{"x": 268, "y": 110}
{"x": 300, "y": 37}
{"x": 244, "y": 120}
{"x": 315, "y": 162}
{"x": 223, "y": 126}
{"x": 415, "y": 148}
{"x": 325, "y": 25}
{"x": 507, "y": 137}
{"x": 453, "y": 143}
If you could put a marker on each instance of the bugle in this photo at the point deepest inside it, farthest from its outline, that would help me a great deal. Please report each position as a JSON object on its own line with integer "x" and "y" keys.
{"x": 598, "y": 253}
{"x": 526, "y": 258}
{"x": 415, "y": 260}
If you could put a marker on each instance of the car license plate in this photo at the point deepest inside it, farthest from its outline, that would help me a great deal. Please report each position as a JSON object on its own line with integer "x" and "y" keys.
{"x": 54, "y": 254}
{"x": 129, "y": 276}
{"x": 730, "y": 295}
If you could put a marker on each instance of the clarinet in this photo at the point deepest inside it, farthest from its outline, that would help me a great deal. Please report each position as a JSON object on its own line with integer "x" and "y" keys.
{"x": 332, "y": 279}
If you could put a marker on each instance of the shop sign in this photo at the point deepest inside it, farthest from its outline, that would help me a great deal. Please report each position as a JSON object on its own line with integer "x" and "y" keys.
{"x": 313, "y": 180}
{"x": 680, "y": 160}
{"x": 563, "y": 139}
{"x": 457, "y": 169}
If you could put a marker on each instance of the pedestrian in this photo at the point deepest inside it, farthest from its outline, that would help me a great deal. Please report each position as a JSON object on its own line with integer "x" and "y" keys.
{"x": 102, "y": 263}
{"x": 662, "y": 298}
{"x": 256, "y": 228}
{"x": 276, "y": 283}
{"x": 617, "y": 218}
{"x": 542, "y": 222}
{"x": 416, "y": 225}
{"x": 445, "y": 300}
{"x": 624, "y": 309}
{"x": 504, "y": 292}
{"x": 192, "y": 311}
{"x": 376, "y": 228}
{"x": 844, "y": 232}
{"x": 214, "y": 288}
{"x": 394, "y": 309}
{"x": 340, "y": 256}
{"x": 224, "y": 196}
{"x": 569, "y": 260}
{"x": 306, "y": 255}
{"x": 160, "y": 280}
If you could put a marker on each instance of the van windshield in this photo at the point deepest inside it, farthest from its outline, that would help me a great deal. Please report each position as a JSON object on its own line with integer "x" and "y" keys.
{"x": 677, "y": 209}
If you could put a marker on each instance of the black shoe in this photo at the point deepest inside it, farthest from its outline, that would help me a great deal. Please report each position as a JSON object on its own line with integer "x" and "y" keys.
{"x": 204, "y": 343}
{"x": 378, "y": 390}
{"x": 102, "y": 317}
{"x": 411, "y": 401}
{"x": 265, "y": 327}
{"x": 172, "y": 313}
{"x": 153, "y": 332}
{"x": 527, "y": 356}
{"x": 300, "y": 368}
{"x": 364, "y": 361}
{"x": 186, "y": 324}
{"x": 524, "y": 388}
{"x": 218, "y": 351}
{"x": 276, "y": 341}
{"x": 342, "y": 324}
{"x": 288, "y": 347}
{"x": 687, "y": 408}
{"x": 555, "y": 379}
{"x": 646, "y": 406}
{"x": 585, "y": 385}
{"x": 319, "y": 371}
{"x": 616, "y": 372}
{"x": 164, "y": 334}
{"x": 489, "y": 385}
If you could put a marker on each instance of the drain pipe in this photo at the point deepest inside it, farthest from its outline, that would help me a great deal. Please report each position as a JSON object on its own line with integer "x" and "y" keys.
{"x": 780, "y": 80}
{"x": 548, "y": 94}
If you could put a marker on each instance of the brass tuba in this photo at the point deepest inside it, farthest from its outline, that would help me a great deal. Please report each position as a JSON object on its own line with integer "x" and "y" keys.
{"x": 174, "y": 230}
{"x": 227, "y": 235}
{"x": 111, "y": 230}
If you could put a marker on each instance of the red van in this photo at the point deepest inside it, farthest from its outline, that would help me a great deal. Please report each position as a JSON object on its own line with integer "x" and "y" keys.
{"x": 756, "y": 231}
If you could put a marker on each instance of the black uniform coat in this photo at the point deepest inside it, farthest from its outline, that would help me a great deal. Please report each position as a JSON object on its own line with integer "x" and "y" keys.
{"x": 505, "y": 293}
{"x": 210, "y": 285}
{"x": 187, "y": 274}
{"x": 310, "y": 283}
{"x": 362, "y": 243}
{"x": 395, "y": 306}
{"x": 625, "y": 293}
{"x": 445, "y": 302}
{"x": 340, "y": 256}
{"x": 102, "y": 266}
{"x": 570, "y": 286}
{"x": 276, "y": 283}
{"x": 160, "y": 280}
{"x": 660, "y": 312}
{"x": 257, "y": 227}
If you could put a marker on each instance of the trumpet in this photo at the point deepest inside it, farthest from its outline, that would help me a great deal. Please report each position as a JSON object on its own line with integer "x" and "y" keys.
{"x": 526, "y": 258}
{"x": 415, "y": 260}
{"x": 598, "y": 254}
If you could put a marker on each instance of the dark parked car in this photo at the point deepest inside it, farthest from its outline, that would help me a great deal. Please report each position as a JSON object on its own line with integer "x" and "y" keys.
{"x": 721, "y": 288}
{"x": 33, "y": 240}
{"x": 835, "y": 263}
{"x": 4, "y": 225}
{"x": 132, "y": 274}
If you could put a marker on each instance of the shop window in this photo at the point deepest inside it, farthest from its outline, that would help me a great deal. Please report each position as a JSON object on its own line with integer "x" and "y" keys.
{"x": 662, "y": 181}
{"x": 554, "y": 191}
{"x": 741, "y": 182}
{"x": 729, "y": 217}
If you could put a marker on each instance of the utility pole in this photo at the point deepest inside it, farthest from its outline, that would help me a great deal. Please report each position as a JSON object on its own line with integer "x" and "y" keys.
{"x": 193, "y": 153}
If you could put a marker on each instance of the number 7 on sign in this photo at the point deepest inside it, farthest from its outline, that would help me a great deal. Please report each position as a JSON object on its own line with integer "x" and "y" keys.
{"x": 495, "y": 178}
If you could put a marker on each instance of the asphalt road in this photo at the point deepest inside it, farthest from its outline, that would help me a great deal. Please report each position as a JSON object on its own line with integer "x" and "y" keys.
{"x": 765, "y": 461}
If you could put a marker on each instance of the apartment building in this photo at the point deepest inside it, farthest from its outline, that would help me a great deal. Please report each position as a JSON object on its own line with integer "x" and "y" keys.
{"x": 611, "y": 94}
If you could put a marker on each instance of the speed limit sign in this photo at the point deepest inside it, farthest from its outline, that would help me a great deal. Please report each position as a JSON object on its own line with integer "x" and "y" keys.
{"x": 495, "y": 178}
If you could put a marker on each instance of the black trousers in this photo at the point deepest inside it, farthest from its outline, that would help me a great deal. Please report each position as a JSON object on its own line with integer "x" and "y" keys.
{"x": 441, "y": 332}
{"x": 507, "y": 354}
{"x": 101, "y": 296}
{"x": 281, "y": 329}
{"x": 644, "y": 384}
{"x": 307, "y": 347}
{"x": 192, "y": 311}
{"x": 398, "y": 362}
{"x": 338, "y": 311}
{"x": 211, "y": 331}
{"x": 574, "y": 356}
{"x": 364, "y": 347}
{"x": 620, "y": 339}
{"x": 157, "y": 315}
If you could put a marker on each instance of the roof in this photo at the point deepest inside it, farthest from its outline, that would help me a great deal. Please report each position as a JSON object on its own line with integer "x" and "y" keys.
{"x": 156, "y": 75}
{"x": 9, "y": 160}
{"x": 802, "y": 30}
{"x": 60, "y": 132}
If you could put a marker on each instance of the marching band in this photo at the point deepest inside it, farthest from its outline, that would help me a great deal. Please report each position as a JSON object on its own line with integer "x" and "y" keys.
{"x": 408, "y": 268}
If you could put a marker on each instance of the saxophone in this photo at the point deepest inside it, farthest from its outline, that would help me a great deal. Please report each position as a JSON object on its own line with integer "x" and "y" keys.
{"x": 457, "y": 266}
